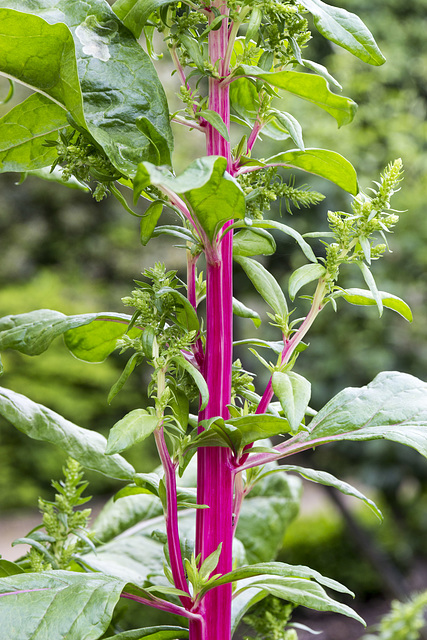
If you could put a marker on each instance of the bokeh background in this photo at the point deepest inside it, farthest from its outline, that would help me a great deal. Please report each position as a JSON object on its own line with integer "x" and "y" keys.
{"x": 60, "y": 249}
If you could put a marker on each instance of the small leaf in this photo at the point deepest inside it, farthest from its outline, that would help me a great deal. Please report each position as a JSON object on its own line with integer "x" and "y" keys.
{"x": 304, "y": 246}
{"x": 364, "y": 298}
{"x": 197, "y": 377}
{"x": 346, "y": 30}
{"x": 136, "y": 426}
{"x": 254, "y": 427}
{"x": 294, "y": 393}
{"x": 135, "y": 13}
{"x": 210, "y": 563}
{"x": 8, "y": 568}
{"x": 149, "y": 220}
{"x": 322, "y": 71}
{"x": 304, "y": 275}
{"x": 153, "y": 633}
{"x": 252, "y": 31}
{"x": 216, "y": 121}
{"x": 133, "y": 361}
{"x": 370, "y": 281}
{"x": 292, "y": 126}
{"x": 242, "y": 311}
{"x": 266, "y": 285}
{"x": 250, "y": 242}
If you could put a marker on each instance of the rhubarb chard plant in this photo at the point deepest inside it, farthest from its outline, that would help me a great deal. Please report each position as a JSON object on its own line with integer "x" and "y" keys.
{"x": 195, "y": 541}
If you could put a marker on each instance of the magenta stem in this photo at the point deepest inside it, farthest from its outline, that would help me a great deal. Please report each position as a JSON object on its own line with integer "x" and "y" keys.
{"x": 163, "y": 605}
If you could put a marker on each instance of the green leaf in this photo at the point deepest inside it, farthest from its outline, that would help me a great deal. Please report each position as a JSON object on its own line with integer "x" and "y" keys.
{"x": 41, "y": 56}
{"x": 57, "y": 605}
{"x": 149, "y": 220}
{"x": 32, "y": 333}
{"x": 250, "y": 242}
{"x": 322, "y": 71}
{"x": 40, "y": 423}
{"x": 45, "y": 173}
{"x": 294, "y": 393}
{"x": 186, "y": 313}
{"x": 135, "y": 13}
{"x": 320, "y": 162}
{"x": 362, "y": 297}
{"x": 310, "y": 87}
{"x": 197, "y": 377}
{"x": 118, "y": 81}
{"x": 117, "y": 516}
{"x": 136, "y": 426}
{"x": 159, "y": 148}
{"x": 292, "y": 126}
{"x": 244, "y": 98}
{"x": 304, "y": 246}
{"x": 346, "y": 30}
{"x": 392, "y": 407}
{"x": 213, "y": 196}
{"x": 266, "y": 285}
{"x": 24, "y": 131}
{"x": 248, "y": 429}
{"x": 302, "y": 276}
{"x": 8, "y": 568}
{"x": 327, "y": 479}
{"x": 242, "y": 311}
{"x": 216, "y": 121}
{"x": 133, "y": 362}
{"x": 370, "y": 281}
{"x": 152, "y": 633}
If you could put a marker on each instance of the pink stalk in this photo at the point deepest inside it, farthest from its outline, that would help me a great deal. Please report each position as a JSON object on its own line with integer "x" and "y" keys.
{"x": 171, "y": 517}
{"x": 191, "y": 294}
{"x": 215, "y": 473}
{"x": 163, "y": 605}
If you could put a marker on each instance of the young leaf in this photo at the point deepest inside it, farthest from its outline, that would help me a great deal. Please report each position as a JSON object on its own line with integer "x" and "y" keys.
{"x": 149, "y": 220}
{"x": 294, "y": 393}
{"x": 93, "y": 342}
{"x": 266, "y": 285}
{"x": 135, "y": 13}
{"x": 242, "y": 311}
{"x": 321, "y": 162}
{"x": 40, "y": 423}
{"x": 345, "y": 29}
{"x": 248, "y": 429}
{"x": 24, "y": 131}
{"x": 186, "y": 314}
{"x": 134, "y": 427}
{"x": 304, "y": 246}
{"x": 256, "y": 242}
{"x": 292, "y": 126}
{"x": 8, "y": 568}
{"x": 216, "y": 121}
{"x": 58, "y": 604}
{"x": 370, "y": 281}
{"x": 302, "y": 276}
{"x": 133, "y": 362}
{"x": 197, "y": 377}
{"x": 153, "y": 633}
{"x": 365, "y": 298}
{"x": 322, "y": 71}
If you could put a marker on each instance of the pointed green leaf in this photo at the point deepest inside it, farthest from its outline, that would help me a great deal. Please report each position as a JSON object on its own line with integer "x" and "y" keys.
{"x": 242, "y": 311}
{"x": 292, "y": 126}
{"x": 24, "y": 131}
{"x": 133, "y": 362}
{"x": 250, "y": 242}
{"x": 294, "y": 393}
{"x": 364, "y": 298}
{"x": 94, "y": 341}
{"x": 186, "y": 313}
{"x": 8, "y": 568}
{"x": 322, "y": 71}
{"x": 289, "y": 231}
{"x": 149, "y": 220}
{"x": 135, "y": 13}
{"x": 304, "y": 275}
{"x": 136, "y": 426}
{"x": 244, "y": 99}
{"x": 153, "y": 633}
{"x": 307, "y": 86}
{"x": 346, "y": 30}
{"x": 216, "y": 121}
{"x": 40, "y": 423}
{"x": 57, "y": 605}
{"x": 321, "y": 162}
{"x": 197, "y": 377}
{"x": 266, "y": 285}
{"x": 392, "y": 407}
{"x": 255, "y": 427}
{"x": 370, "y": 281}
{"x": 45, "y": 173}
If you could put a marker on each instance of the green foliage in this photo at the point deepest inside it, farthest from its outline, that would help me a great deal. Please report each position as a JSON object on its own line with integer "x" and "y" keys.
{"x": 404, "y": 621}
{"x": 269, "y": 618}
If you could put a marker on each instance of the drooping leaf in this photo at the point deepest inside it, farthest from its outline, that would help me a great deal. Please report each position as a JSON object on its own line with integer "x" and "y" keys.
{"x": 135, "y": 13}
{"x": 216, "y": 121}
{"x": 8, "y": 568}
{"x": 363, "y": 297}
{"x": 135, "y": 359}
{"x": 152, "y": 633}
{"x": 40, "y": 423}
{"x": 248, "y": 429}
{"x": 197, "y": 377}
{"x": 294, "y": 393}
{"x": 136, "y": 426}
{"x": 370, "y": 281}
{"x": 24, "y": 131}
{"x": 117, "y": 79}
{"x": 345, "y": 29}
{"x": 310, "y": 87}
{"x": 392, "y": 407}
{"x": 149, "y": 220}
{"x": 250, "y": 242}
{"x": 321, "y": 162}
{"x": 322, "y": 71}
{"x": 57, "y": 605}
{"x": 292, "y": 126}
{"x": 93, "y": 342}
{"x": 304, "y": 275}
{"x": 289, "y": 231}
{"x": 266, "y": 285}
{"x": 242, "y": 311}
{"x": 186, "y": 314}
{"x": 45, "y": 173}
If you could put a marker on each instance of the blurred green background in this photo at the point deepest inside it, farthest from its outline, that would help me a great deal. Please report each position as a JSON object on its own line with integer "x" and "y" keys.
{"x": 60, "y": 249}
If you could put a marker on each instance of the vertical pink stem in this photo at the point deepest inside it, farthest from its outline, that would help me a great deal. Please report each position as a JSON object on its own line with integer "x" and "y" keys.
{"x": 215, "y": 473}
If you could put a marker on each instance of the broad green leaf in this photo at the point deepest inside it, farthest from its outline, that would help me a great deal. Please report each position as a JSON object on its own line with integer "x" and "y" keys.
{"x": 248, "y": 429}
{"x": 149, "y": 220}
{"x": 41, "y": 56}
{"x": 294, "y": 393}
{"x": 363, "y": 297}
{"x": 118, "y": 516}
{"x": 45, "y": 173}
{"x": 135, "y": 13}
{"x": 244, "y": 98}
{"x": 136, "y": 426}
{"x": 310, "y": 87}
{"x": 289, "y": 231}
{"x": 212, "y": 195}
{"x": 24, "y": 131}
{"x": 216, "y": 121}
{"x": 321, "y": 162}
{"x": 57, "y": 605}
{"x": 299, "y": 592}
{"x": 304, "y": 275}
{"x": 266, "y": 285}
{"x": 152, "y": 633}
{"x": 117, "y": 79}
{"x": 32, "y": 333}
{"x": 250, "y": 242}
{"x": 40, "y": 423}
{"x": 346, "y": 30}
{"x": 392, "y": 407}
{"x": 327, "y": 479}
{"x": 242, "y": 311}
{"x": 197, "y": 377}
{"x": 8, "y": 568}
